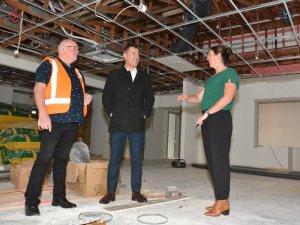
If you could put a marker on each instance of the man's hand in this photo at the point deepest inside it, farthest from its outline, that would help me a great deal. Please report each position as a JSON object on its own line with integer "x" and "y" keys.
{"x": 44, "y": 122}
{"x": 87, "y": 99}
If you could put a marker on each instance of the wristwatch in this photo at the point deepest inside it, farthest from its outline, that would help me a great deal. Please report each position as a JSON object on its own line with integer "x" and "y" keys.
{"x": 208, "y": 113}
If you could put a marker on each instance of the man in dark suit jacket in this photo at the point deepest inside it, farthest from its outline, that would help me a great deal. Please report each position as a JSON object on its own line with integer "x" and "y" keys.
{"x": 128, "y": 99}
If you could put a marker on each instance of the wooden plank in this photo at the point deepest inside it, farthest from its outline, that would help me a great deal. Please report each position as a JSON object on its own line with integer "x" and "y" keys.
{"x": 146, "y": 204}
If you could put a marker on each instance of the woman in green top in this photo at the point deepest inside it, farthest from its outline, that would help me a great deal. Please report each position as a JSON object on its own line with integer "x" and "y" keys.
{"x": 217, "y": 98}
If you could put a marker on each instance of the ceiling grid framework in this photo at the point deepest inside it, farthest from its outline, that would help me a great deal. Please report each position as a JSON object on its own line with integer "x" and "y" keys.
{"x": 264, "y": 36}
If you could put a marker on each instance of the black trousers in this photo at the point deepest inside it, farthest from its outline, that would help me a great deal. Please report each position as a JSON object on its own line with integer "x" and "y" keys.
{"x": 216, "y": 134}
{"x": 55, "y": 145}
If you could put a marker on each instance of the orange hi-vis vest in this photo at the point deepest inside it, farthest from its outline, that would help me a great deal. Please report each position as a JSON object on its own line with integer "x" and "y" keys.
{"x": 58, "y": 90}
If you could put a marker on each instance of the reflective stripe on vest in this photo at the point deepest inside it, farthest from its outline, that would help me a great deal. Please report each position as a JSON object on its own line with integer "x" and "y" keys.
{"x": 53, "y": 99}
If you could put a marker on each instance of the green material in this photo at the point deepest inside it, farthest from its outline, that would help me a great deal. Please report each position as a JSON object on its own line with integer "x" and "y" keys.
{"x": 22, "y": 138}
{"x": 4, "y": 112}
{"x": 21, "y": 141}
{"x": 7, "y": 106}
{"x": 16, "y": 157}
{"x": 214, "y": 88}
{"x": 9, "y": 131}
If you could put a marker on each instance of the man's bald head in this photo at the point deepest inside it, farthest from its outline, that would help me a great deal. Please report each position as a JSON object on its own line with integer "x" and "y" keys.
{"x": 68, "y": 51}
{"x": 64, "y": 43}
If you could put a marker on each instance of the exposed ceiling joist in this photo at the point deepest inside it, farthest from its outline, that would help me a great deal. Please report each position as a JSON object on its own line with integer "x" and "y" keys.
{"x": 261, "y": 34}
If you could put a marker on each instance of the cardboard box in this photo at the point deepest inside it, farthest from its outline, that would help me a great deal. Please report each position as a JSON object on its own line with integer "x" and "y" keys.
{"x": 19, "y": 174}
{"x": 87, "y": 179}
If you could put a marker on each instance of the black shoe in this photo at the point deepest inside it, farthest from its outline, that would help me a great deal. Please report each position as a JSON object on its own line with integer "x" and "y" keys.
{"x": 137, "y": 196}
{"x": 63, "y": 202}
{"x": 110, "y": 196}
{"x": 32, "y": 210}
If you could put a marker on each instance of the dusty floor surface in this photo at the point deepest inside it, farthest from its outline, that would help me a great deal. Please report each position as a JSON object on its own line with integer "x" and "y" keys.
{"x": 255, "y": 200}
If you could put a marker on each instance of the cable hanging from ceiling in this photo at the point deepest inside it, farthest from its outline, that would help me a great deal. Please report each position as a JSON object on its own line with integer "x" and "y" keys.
{"x": 16, "y": 52}
{"x": 141, "y": 8}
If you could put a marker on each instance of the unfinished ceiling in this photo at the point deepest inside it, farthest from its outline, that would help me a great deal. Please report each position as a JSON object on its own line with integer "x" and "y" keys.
{"x": 173, "y": 35}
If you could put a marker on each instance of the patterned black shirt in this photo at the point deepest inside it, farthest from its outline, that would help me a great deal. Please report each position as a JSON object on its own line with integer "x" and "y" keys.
{"x": 75, "y": 113}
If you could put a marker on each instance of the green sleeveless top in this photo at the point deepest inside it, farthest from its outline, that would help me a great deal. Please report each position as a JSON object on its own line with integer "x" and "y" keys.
{"x": 214, "y": 88}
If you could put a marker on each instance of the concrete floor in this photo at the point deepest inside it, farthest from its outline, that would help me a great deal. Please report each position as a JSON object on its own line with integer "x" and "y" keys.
{"x": 255, "y": 200}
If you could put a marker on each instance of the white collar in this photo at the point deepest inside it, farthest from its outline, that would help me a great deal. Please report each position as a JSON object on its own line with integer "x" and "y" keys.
{"x": 133, "y": 71}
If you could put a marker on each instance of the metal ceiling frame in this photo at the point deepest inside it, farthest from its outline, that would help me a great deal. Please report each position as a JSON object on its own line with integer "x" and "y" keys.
{"x": 291, "y": 21}
{"x": 170, "y": 77}
{"x": 50, "y": 20}
{"x": 219, "y": 37}
{"x": 257, "y": 37}
{"x": 136, "y": 35}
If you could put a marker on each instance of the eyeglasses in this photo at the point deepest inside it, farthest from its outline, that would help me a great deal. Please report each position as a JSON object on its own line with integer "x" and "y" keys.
{"x": 75, "y": 47}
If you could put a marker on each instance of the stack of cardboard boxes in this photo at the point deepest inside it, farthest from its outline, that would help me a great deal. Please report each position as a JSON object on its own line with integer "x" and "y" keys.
{"x": 83, "y": 179}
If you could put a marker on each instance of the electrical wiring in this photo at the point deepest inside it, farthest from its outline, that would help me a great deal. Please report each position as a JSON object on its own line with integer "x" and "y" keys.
{"x": 123, "y": 11}
{"x": 141, "y": 8}
{"x": 35, "y": 44}
{"x": 81, "y": 38}
{"x": 79, "y": 14}
{"x": 99, "y": 16}
{"x": 257, "y": 53}
{"x": 16, "y": 52}
{"x": 277, "y": 159}
{"x": 230, "y": 29}
{"x": 70, "y": 34}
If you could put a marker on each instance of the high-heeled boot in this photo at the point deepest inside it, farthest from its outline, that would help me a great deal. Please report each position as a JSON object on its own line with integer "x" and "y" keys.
{"x": 220, "y": 207}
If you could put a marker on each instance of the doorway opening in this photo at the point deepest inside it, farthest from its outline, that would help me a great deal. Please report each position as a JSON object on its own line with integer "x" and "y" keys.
{"x": 173, "y": 135}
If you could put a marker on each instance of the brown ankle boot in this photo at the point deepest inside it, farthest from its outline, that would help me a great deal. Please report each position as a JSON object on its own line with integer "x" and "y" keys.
{"x": 137, "y": 196}
{"x": 110, "y": 196}
{"x": 220, "y": 207}
{"x": 211, "y": 206}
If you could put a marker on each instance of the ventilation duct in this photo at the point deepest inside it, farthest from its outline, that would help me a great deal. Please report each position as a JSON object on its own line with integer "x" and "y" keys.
{"x": 102, "y": 54}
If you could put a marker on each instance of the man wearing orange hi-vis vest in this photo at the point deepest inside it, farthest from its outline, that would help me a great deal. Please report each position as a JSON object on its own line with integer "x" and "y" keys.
{"x": 61, "y": 100}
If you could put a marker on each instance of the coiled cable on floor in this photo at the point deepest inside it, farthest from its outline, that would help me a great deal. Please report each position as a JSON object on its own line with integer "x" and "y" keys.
{"x": 91, "y": 217}
{"x": 163, "y": 218}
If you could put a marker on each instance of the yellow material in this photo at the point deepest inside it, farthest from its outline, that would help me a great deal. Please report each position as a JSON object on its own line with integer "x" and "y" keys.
{"x": 7, "y": 116}
{"x": 20, "y": 141}
{"x": 14, "y": 119}
{"x": 3, "y": 125}
{"x": 19, "y": 161}
{"x": 17, "y": 157}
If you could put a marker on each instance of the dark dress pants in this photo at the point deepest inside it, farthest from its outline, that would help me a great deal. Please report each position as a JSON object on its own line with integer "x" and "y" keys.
{"x": 117, "y": 144}
{"x": 216, "y": 134}
{"x": 54, "y": 145}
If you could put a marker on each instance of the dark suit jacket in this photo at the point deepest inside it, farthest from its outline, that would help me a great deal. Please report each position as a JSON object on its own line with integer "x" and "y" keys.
{"x": 127, "y": 103}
